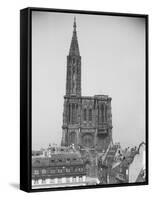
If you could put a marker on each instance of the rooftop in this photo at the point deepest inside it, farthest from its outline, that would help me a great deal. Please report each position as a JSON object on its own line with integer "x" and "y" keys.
{"x": 57, "y": 159}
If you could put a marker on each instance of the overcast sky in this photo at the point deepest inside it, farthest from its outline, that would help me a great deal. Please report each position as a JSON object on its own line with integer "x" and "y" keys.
{"x": 113, "y": 63}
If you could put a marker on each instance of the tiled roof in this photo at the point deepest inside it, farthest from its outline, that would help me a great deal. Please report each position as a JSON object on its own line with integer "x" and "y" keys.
{"x": 57, "y": 160}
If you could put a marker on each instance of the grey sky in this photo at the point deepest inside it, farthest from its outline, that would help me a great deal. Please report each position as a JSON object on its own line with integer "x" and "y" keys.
{"x": 113, "y": 63}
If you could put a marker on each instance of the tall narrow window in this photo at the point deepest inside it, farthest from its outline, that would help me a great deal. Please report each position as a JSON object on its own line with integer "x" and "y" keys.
{"x": 76, "y": 113}
{"x": 73, "y": 113}
{"x": 85, "y": 114}
{"x": 90, "y": 114}
{"x": 74, "y": 60}
{"x": 106, "y": 113}
{"x": 99, "y": 113}
{"x": 102, "y": 113}
{"x": 69, "y": 112}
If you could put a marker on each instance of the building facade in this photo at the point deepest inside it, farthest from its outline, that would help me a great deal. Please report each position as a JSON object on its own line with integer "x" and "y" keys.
{"x": 87, "y": 120}
{"x": 58, "y": 168}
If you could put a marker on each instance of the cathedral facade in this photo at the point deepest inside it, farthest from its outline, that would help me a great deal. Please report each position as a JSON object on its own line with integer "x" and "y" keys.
{"x": 87, "y": 120}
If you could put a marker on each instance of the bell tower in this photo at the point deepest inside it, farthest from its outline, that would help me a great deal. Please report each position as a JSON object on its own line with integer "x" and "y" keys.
{"x": 73, "y": 81}
{"x": 72, "y": 98}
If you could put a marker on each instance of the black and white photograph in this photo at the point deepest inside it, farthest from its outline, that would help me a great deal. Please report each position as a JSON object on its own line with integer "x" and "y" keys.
{"x": 75, "y": 100}
{"x": 88, "y": 88}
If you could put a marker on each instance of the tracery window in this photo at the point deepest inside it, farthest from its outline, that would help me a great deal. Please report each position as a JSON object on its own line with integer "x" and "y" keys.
{"x": 88, "y": 140}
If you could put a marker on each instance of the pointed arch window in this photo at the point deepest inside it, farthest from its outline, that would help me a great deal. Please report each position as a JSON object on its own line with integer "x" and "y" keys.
{"x": 105, "y": 113}
{"x": 73, "y": 61}
{"x": 74, "y": 80}
{"x": 76, "y": 117}
{"x": 90, "y": 114}
{"x": 73, "y": 113}
{"x": 85, "y": 114}
{"x": 69, "y": 112}
{"x": 102, "y": 113}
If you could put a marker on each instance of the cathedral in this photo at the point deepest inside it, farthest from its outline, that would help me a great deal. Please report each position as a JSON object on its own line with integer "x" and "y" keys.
{"x": 87, "y": 120}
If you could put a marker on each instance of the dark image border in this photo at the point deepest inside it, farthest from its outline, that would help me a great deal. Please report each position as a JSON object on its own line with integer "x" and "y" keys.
{"x": 26, "y": 97}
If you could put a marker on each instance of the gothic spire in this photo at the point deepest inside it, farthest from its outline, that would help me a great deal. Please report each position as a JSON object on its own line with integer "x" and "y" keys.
{"x": 74, "y": 24}
{"x": 74, "y": 47}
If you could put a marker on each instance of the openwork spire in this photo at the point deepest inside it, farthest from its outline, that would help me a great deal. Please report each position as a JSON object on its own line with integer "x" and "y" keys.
{"x": 74, "y": 47}
{"x": 74, "y": 24}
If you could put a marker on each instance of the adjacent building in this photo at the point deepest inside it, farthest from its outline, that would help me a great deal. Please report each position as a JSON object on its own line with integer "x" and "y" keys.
{"x": 137, "y": 169}
{"x": 122, "y": 166}
{"x": 61, "y": 167}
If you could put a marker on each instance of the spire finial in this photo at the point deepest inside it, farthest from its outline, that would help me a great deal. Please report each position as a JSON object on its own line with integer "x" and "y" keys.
{"x": 74, "y": 25}
{"x": 74, "y": 47}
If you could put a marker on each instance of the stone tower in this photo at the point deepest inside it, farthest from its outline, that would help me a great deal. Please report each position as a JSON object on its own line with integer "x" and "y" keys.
{"x": 87, "y": 120}
{"x": 73, "y": 82}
